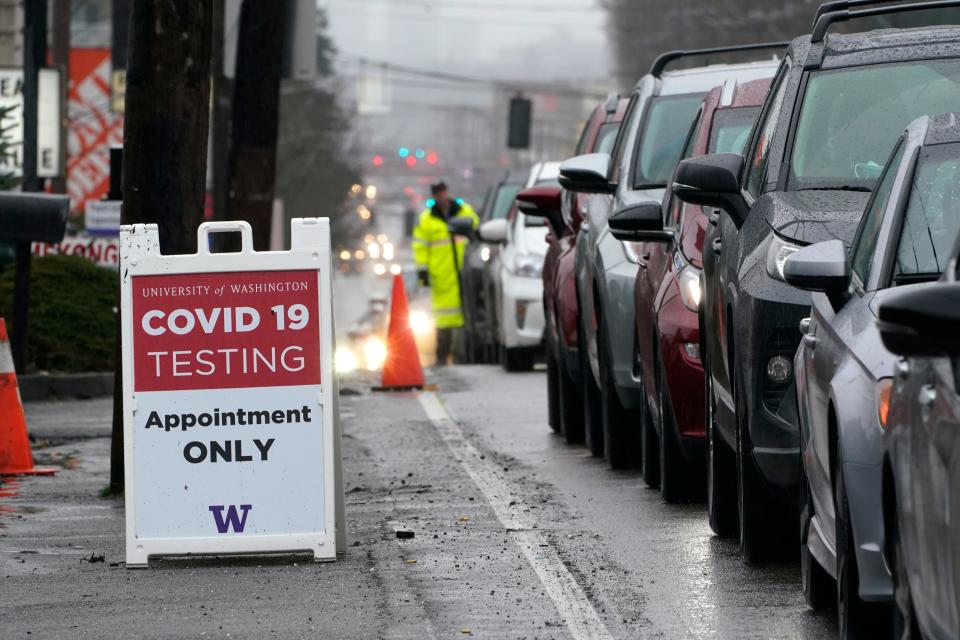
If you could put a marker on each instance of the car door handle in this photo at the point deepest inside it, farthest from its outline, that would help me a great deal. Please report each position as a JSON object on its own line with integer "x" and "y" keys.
{"x": 805, "y": 326}
{"x": 810, "y": 341}
{"x": 716, "y": 245}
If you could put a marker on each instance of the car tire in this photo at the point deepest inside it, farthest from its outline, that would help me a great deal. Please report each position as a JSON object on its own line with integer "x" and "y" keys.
{"x": 553, "y": 391}
{"x": 590, "y": 394}
{"x": 856, "y": 618}
{"x": 905, "y": 626}
{"x": 753, "y": 509}
{"x": 571, "y": 408}
{"x": 721, "y": 467}
{"x": 819, "y": 589}
{"x": 676, "y": 476}
{"x": 516, "y": 359}
{"x": 621, "y": 437}
{"x": 649, "y": 445}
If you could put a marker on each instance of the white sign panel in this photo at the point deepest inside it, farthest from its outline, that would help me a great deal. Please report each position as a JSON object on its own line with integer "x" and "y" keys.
{"x": 231, "y": 424}
{"x": 48, "y": 122}
{"x": 102, "y": 217}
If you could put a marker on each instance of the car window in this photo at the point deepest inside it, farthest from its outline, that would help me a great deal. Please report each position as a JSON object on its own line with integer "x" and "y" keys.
{"x": 850, "y": 118}
{"x": 865, "y": 244}
{"x": 606, "y": 137}
{"x": 661, "y": 141}
{"x": 759, "y": 156}
{"x": 584, "y": 138}
{"x": 620, "y": 144}
{"x": 673, "y": 208}
{"x": 506, "y": 194}
{"x": 932, "y": 219}
{"x": 730, "y": 130}
{"x": 538, "y": 221}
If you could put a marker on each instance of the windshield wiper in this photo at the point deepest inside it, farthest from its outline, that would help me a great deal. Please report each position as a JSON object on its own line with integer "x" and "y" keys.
{"x": 843, "y": 187}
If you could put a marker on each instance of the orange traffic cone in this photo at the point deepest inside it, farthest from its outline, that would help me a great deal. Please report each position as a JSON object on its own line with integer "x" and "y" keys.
{"x": 401, "y": 370}
{"x": 15, "y": 456}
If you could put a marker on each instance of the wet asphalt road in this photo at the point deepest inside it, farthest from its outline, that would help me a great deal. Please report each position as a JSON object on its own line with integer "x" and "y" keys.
{"x": 517, "y": 536}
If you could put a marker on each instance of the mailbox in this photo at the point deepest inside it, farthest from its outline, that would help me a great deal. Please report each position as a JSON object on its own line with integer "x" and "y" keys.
{"x": 33, "y": 217}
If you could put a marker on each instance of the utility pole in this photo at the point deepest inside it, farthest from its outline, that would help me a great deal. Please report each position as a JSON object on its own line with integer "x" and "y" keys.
{"x": 166, "y": 120}
{"x": 34, "y": 56}
{"x": 61, "y": 60}
{"x": 220, "y": 118}
{"x": 256, "y": 111}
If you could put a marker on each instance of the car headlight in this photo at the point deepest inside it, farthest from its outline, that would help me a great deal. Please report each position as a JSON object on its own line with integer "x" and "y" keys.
{"x": 777, "y": 255}
{"x": 527, "y": 265}
{"x": 689, "y": 279}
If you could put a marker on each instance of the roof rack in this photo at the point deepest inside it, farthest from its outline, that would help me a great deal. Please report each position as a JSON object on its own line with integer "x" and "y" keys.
{"x": 612, "y": 101}
{"x": 666, "y": 58}
{"x": 843, "y": 15}
{"x": 839, "y": 5}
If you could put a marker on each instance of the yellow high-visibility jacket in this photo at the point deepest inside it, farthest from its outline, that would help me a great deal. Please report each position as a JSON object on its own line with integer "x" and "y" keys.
{"x": 433, "y": 250}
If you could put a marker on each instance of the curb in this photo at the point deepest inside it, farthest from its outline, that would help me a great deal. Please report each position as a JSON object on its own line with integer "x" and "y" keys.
{"x": 48, "y": 386}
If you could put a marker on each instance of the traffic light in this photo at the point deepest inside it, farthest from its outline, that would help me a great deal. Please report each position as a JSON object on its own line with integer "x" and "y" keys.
{"x": 378, "y": 160}
{"x": 403, "y": 152}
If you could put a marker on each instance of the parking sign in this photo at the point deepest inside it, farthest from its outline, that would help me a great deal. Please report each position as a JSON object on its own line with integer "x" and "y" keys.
{"x": 230, "y": 417}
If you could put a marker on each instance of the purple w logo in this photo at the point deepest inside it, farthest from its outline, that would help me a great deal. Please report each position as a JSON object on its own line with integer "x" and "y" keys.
{"x": 233, "y": 518}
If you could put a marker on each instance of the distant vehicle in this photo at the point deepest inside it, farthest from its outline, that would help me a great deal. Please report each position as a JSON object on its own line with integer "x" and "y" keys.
{"x": 648, "y": 146}
{"x": 479, "y": 343}
{"x": 921, "y": 470}
{"x": 837, "y": 106}
{"x": 560, "y": 306}
{"x": 515, "y": 299}
{"x": 843, "y": 371}
{"x": 667, "y": 296}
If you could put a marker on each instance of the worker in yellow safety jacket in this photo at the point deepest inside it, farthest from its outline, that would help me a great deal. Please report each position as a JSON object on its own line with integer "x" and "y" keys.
{"x": 439, "y": 258}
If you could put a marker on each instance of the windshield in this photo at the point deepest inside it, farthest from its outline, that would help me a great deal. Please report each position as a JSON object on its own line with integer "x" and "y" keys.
{"x": 506, "y": 194}
{"x": 851, "y": 118}
{"x": 664, "y": 132}
{"x": 731, "y": 129}
{"x": 932, "y": 219}
{"x": 538, "y": 221}
{"x": 606, "y": 137}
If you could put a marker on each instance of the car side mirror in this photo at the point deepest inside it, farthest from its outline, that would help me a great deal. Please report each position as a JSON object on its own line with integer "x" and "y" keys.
{"x": 638, "y": 223}
{"x": 713, "y": 181}
{"x": 461, "y": 226}
{"x": 543, "y": 202}
{"x": 493, "y": 231}
{"x": 824, "y": 266}
{"x": 922, "y": 320}
{"x": 587, "y": 174}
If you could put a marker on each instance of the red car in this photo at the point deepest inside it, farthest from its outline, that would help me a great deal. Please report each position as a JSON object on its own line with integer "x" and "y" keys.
{"x": 560, "y": 305}
{"x": 667, "y": 297}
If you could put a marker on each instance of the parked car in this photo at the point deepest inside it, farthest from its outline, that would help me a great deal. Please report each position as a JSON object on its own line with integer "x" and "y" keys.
{"x": 667, "y": 298}
{"x": 843, "y": 371}
{"x": 648, "y": 145}
{"x": 479, "y": 344}
{"x": 837, "y": 106}
{"x": 560, "y": 305}
{"x": 515, "y": 297}
{"x": 921, "y": 470}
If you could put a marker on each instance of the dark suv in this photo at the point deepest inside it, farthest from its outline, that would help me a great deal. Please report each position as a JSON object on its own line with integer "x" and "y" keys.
{"x": 835, "y": 109}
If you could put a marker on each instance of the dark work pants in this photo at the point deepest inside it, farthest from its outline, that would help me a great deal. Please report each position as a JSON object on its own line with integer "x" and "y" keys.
{"x": 446, "y": 341}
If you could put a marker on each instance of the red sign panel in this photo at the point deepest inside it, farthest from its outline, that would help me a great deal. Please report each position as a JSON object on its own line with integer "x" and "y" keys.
{"x": 93, "y": 127}
{"x": 226, "y": 330}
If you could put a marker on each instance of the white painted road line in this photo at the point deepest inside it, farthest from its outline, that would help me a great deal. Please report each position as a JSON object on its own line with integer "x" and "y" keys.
{"x": 568, "y": 597}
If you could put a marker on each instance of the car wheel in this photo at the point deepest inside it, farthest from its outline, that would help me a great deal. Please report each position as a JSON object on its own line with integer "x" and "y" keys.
{"x": 650, "y": 444}
{"x": 752, "y": 507}
{"x": 553, "y": 389}
{"x": 905, "y": 625}
{"x": 516, "y": 359}
{"x": 676, "y": 483}
{"x": 856, "y": 618}
{"x": 721, "y": 468}
{"x": 819, "y": 589}
{"x": 592, "y": 411}
{"x": 621, "y": 437}
{"x": 571, "y": 408}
